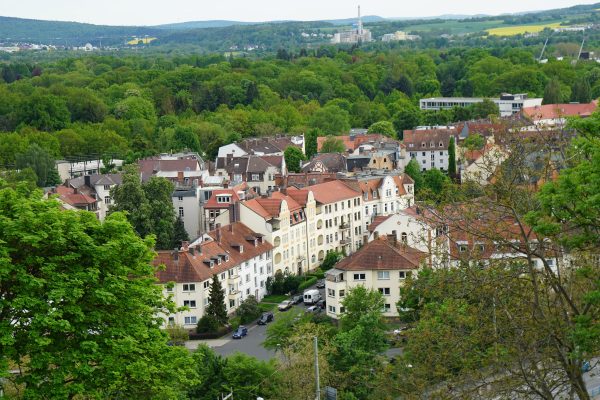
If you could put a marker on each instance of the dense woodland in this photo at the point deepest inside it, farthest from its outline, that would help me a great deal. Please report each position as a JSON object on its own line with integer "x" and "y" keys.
{"x": 131, "y": 107}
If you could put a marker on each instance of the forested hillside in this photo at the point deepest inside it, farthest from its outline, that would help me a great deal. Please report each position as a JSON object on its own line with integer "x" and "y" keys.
{"x": 137, "y": 106}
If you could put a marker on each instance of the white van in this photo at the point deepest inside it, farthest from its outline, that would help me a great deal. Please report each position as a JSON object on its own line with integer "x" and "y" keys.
{"x": 311, "y": 296}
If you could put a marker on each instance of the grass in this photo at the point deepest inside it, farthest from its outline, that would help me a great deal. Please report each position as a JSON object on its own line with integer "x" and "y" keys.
{"x": 521, "y": 29}
{"x": 274, "y": 298}
{"x": 264, "y": 307}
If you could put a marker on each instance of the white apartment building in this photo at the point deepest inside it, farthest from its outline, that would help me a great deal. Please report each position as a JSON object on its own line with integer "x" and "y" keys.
{"x": 241, "y": 259}
{"x": 186, "y": 202}
{"x": 429, "y": 147}
{"x": 73, "y": 169}
{"x": 383, "y": 265}
{"x": 508, "y": 104}
{"x": 287, "y": 225}
{"x": 98, "y": 187}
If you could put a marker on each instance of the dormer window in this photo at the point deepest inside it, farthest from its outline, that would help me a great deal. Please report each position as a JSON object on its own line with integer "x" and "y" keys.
{"x": 441, "y": 144}
{"x": 423, "y": 144}
{"x": 366, "y": 195}
{"x": 431, "y": 144}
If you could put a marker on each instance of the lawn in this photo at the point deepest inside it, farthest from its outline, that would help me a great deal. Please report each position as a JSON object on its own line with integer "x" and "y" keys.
{"x": 520, "y": 29}
{"x": 264, "y": 307}
{"x": 274, "y": 298}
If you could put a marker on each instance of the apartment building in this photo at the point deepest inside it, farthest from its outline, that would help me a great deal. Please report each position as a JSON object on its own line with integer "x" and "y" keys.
{"x": 186, "y": 203}
{"x": 258, "y": 171}
{"x": 97, "y": 186}
{"x": 383, "y": 265}
{"x": 183, "y": 169}
{"x": 287, "y": 225}
{"x": 508, "y": 104}
{"x": 429, "y": 147}
{"x": 241, "y": 258}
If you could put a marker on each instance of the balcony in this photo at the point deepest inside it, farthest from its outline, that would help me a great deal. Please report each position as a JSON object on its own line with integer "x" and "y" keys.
{"x": 345, "y": 242}
{"x": 345, "y": 226}
{"x": 233, "y": 276}
{"x": 233, "y": 294}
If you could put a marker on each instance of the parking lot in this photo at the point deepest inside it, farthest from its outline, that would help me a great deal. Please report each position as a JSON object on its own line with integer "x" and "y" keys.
{"x": 250, "y": 344}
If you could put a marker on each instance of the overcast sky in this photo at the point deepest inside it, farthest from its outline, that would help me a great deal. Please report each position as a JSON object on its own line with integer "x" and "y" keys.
{"x": 152, "y": 12}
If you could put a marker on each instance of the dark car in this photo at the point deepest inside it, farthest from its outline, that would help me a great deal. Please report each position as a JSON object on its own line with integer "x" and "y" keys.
{"x": 321, "y": 284}
{"x": 297, "y": 299}
{"x": 240, "y": 332}
{"x": 265, "y": 318}
{"x": 321, "y": 303}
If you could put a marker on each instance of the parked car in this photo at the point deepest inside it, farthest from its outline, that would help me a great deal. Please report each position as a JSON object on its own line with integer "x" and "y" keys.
{"x": 285, "y": 305}
{"x": 321, "y": 303}
{"x": 240, "y": 332}
{"x": 586, "y": 367}
{"x": 313, "y": 309}
{"x": 265, "y": 318}
{"x": 321, "y": 284}
{"x": 297, "y": 299}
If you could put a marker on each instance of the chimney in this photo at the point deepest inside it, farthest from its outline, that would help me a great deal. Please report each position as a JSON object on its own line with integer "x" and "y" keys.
{"x": 175, "y": 255}
{"x": 199, "y": 248}
{"x": 376, "y": 235}
{"x": 218, "y": 233}
{"x": 87, "y": 180}
{"x": 180, "y": 176}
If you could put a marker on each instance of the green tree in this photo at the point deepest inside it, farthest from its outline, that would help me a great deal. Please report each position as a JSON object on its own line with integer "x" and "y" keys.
{"x": 406, "y": 118}
{"x": 333, "y": 145}
{"x": 331, "y": 120}
{"x": 413, "y": 169}
{"x": 474, "y": 142}
{"x": 44, "y": 111}
{"x": 452, "y": 159}
{"x": 330, "y": 260}
{"x": 158, "y": 192}
{"x": 80, "y": 305}
{"x": 293, "y": 157}
{"x": 185, "y": 138}
{"x": 85, "y": 106}
{"x": 581, "y": 91}
{"x": 383, "y": 127}
{"x": 485, "y": 109}
{"x": 216, "y": 301}
{"x": 179, "y": 233}
{"x": 129, "y": 197}
{"x": 552, "y": 93}
{"x": 248, "y": 310}
{"x": 135, "y": 107}
{"x": 434, "y": 182}
{"x": 311, "y": 145}
{"x": 41, "y": 163}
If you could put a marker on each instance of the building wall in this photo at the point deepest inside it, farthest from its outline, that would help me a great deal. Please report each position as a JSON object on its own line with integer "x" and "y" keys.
{"x": 190, "y": 206}
{"x": 429, "y": 158}
{"x": 103, "y": 195}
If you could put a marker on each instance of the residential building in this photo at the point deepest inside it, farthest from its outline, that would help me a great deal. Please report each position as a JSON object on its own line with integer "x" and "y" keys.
{"x": 258, "y": 171}
{"x": 354, "y": 140}
{"x": 241, "y": 259}
{"x": 98, "y": 187}
{"x": 383, "y": 265}
{"x": 74, "y": 169}
{"x": 72, "y": 199}
{"x": 186, "y": 202}
{"x": 303, "y": 179}
{"x": 508, "y": 104}
{"x": 264, "y": 146}
{"x": 399, "y": 36}
{"x": 326, "y": 162}
{"x": 183, "y": 169}
{"x": 219, "y": 210}
{"x": 479, "y": 165}
{"x": 555, "y": 115}
{"x": 429, "y": 147}
{"x": 287, "y": 225}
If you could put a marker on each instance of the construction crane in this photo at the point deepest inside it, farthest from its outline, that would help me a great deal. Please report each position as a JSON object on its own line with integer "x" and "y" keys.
{"x": 544, "y": 49}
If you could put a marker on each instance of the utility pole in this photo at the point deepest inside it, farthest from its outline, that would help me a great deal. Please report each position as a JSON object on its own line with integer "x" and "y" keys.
{"x": 318, "y": 385}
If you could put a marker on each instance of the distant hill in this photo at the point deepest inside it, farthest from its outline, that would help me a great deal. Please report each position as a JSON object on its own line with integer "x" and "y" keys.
{"x": 203, "y": 24}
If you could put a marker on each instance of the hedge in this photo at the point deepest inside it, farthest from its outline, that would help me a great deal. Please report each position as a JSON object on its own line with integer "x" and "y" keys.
{"x": 307, "y": 283}
{"x": 211, "y": 335}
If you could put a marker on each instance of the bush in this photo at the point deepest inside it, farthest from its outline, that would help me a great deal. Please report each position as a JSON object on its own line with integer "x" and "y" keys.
{"x": 211, "y": 335}
{"x": 318, "y": 273}
{"x": 283, "y": 283}
{"x": 248, "y": 310}
{"x": 234, "y": 322}
{"x": 330, "y": 260}
{"x": 307, "y": 283}
{"x": 208, "y": 324}
{"x": 178, "y": 335}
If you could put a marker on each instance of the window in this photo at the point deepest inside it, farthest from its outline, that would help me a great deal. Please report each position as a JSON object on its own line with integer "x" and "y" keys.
{"x": 330, "y": 292}
{"x": 181, "y": 212}
{"x": 342, "y": 293}
{"x": 342, "y": 309}
{"x": 387, "y": 307}
{"x": 206, "y": 284}
{"x": 180, "y": 198}
{"x": 171, "y": 321}
{"x": 190, "y": 320}
{"x": 255, "y": 177}
{"x": 462, "y": 248}
{"x": 384, "y": 291}
{"x": 404, "y": 238}
{"x": 247, "y": 291}
{"x": 332, "y": 309}
{"x": 383, "y": 275}
{"x": 190, "y": 303}
{"x": 231, "y": 303}
{"x": 106, "y": 187}
{"x": 107, "y": 200}
{"x": 404, "y": 274}
{"x": 359, "y": 277}
{"x": 189, "y": 287}
{"x": 169, "y": 288}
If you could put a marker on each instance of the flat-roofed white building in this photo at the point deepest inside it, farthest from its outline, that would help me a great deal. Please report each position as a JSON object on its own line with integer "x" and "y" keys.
{"x": 508, "y": 104}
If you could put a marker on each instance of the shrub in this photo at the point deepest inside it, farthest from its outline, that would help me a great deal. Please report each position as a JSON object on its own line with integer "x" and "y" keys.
{"x": 178, "y": 335}
{"x": 234, "y": 322}
{"x": 248, "y": 310}
{"x": 318, "y": 273}
{"x": 330, "y": 260}
{"x": 208, "y": 324}
{"x": 307, "y": 283}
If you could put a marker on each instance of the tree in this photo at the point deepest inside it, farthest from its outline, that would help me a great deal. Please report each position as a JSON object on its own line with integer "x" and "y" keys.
{"x": 248, "y": 310}
{"x": 293, "y": 158}
{"x": 41, "y": 163}
{"x": 185, "y": 138}
{"x": 44, "y": 111}
{"x": 581, "y": 91}
{"x": 331, "y": 120}
{"x": 86, "y": 107}
{"x": 383, "y": 127}
{"x": 333, "y": 145}
{"x": 484, "y": 109}
{"x": 552, "y": 93}
{"x": 330, "y": 260}
{"x": 179, "y": 233}
{"x": 474, "y": 142}
{"x": 407, "y": 118}
{"x": 80, "y": 305}
{"x": 311, "y": 145}
{"x": 216, "y": 301}
{"x": 434, "y": 182}
{"x": 452, "y": 159}
{"x": 413, "y": 170}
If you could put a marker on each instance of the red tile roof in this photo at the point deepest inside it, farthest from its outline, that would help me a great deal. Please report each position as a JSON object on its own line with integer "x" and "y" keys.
{"x": 353, "y": 142}
{"x": 73, "y": 197}
{"x": 556, "y": 111}
{"x": 383, "y": 254}
{"x": 193, "y": 267}
{"x": 333, "y": 191}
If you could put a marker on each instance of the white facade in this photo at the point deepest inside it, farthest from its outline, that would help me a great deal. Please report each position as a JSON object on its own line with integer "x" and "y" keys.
{"x": 387, "y": 200}
{"x": 186, "y": 204}
{"x": 232, "y": 148}
{"x": 69, "y": 170}
{"x": 431, "y": 158}
{"x": 508, "y": 105}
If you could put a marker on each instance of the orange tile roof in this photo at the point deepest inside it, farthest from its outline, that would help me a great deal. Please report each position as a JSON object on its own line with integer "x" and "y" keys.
{"x": 353, "y": 142}
{"x": 73, "y": 197}
{"x": 213, "y": 204}
{"x": 333, "y": 191}
{"x": 556, "y": 111}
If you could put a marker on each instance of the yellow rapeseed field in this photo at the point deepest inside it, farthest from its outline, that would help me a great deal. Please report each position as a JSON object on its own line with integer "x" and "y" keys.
{"x": 520, "y": 29}
{"x": 145, "y": 40}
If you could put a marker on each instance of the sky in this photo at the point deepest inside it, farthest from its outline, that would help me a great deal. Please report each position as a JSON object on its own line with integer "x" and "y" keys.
{"x": 154, "y": 12}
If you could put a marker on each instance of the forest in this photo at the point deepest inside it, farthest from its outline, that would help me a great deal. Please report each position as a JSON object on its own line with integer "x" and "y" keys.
{"x": 136, "y": 106}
